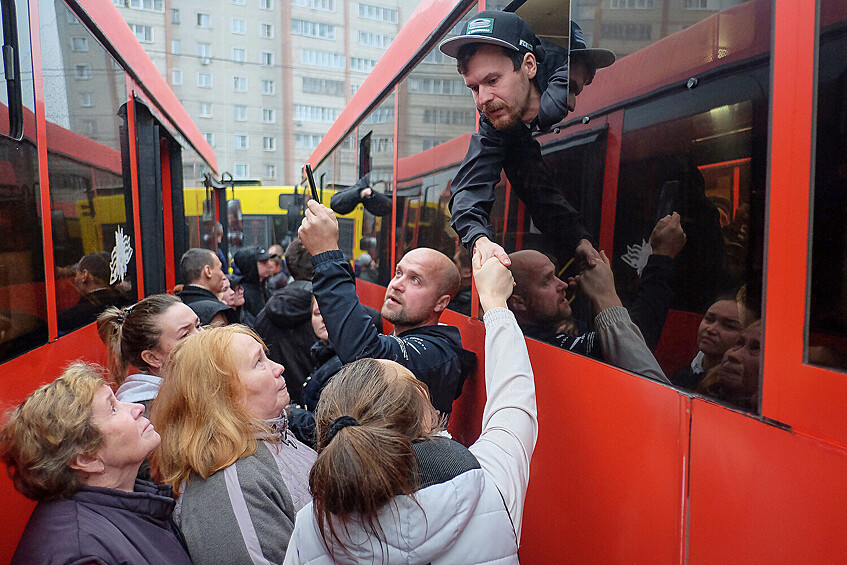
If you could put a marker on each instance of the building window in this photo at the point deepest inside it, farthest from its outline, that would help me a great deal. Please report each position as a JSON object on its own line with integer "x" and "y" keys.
{"x": 204, "y": 20}
{"x": 239, "y": 2}
{"x": 269, "y": 143}
{"x": 361, "y": 65}
{"x": 119, "y": 3}
{"x": 322, "y": 114}
{"x": 204, "y": 80}
{"x": 266, "y": 4}
{"x": 204, "y": 109}
{"x": 378, "y": 40}
{"x": 323, "y": 5}
{"x": 86, "y": 99}
{"x": 434, "y": 57}
{"x": 268, "y": 87}
{"x": 267, "y": 58}
{"x": 210, "y": 139}
{"x": 694, "y": 4}
{"x": 176, "y": 47}
{"x": 239, "y": 54}
{"x": 270, "y": 171}
{"x": 266, "y": 30}
{"x": 312, "y": 29}
{"x": 268, "y": 115}
{"x": 176, "y": 77}
{"x": 313, "y": 85}
{"x": 79, "y": 43}
{"x": 239, "y": 113}
{"x": 428, "y": 143}
{"x": 239, "y": 84}
{"x": 450, "y": 86}
{"x": 143, "y": 33}
{"x": 325, "y": 59}
{"x": 204, "y": 50}
{"x": 239, "y": 26}
{"x": 307, "y": 140}
{"x": 242, "y": 170}
{"x": 632, "y": 4}
{"x": 149, "y": 5}
{"x": 627, "y": 32}
{"x": 83, "y": 72}
{"x": 175, "y": 15}
{"x": 380, "y": 116}
{"x": 241, "y": 141}
{"x": 382, "y": 144}
{"x": 379, "y": 13}
{"x": 90, "y": 127}
{"x": 449, "y": 117}
{"x": 72, "y": 19}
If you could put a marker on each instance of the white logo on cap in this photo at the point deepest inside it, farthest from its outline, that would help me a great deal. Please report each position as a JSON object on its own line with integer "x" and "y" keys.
{"x": 481, "y": 25}
{"x": 525, "y": 45}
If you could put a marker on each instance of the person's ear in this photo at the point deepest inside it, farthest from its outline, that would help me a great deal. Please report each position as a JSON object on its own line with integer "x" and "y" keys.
{"x": 530, "y": 63}
{"x": 516, "y": 303}
{"x": 442, "y": 303}
{"x": 153, "y": 358}
{"x": 207, "y": 271}
{"x": 86, "y": 464}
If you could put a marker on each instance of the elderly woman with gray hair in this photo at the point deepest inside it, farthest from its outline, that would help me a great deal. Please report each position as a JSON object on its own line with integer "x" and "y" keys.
{"x": 75, "y": 449}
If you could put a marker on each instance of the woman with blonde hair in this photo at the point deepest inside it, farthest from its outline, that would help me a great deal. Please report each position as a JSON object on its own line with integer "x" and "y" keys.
{"x": 240, "y": 475}
{"x": 387, "y": 489}
{"x": 75, "y": 449}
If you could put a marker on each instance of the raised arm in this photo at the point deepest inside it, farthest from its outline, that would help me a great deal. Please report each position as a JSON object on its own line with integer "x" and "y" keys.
{"x": 510, "y": 418}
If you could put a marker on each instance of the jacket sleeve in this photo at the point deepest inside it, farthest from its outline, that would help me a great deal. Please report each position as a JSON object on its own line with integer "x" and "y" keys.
{"x": 510, "y": 418}
{"x": 623, "y": 345}
{"x": 345, "y": 201}
{"x": 649, "y": 308}
{"x": 553, "y": 106}
{"x": 377, "y": 203}
{"x": 473, "y": 186}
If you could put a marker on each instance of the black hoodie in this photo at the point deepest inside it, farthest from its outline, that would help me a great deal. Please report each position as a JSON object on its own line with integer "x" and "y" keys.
{"x": 255, "y": 292}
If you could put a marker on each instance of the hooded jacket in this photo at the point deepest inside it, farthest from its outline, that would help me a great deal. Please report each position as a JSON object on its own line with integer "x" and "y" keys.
{"x": 103, "y": 525}
{"x": 205, "y": 304}
{"x": 472, "y": 511}
{"x": 255, "y": 292}
{"x": 434, "y": 354}
{"x": 285, "y": 324}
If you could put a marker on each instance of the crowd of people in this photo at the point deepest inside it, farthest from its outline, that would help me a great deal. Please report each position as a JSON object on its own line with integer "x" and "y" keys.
{"x": 268, "y": 418}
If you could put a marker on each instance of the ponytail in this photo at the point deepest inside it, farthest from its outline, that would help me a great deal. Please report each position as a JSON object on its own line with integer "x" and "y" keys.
{"x": 360, "y": 468}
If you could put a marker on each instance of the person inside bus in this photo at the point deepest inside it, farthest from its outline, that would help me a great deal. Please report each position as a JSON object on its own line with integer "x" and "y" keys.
{"x": 541, "y": 307}
{"x": 736, "y": 380}
{"x": 285, "y": 322}
{"x": 219, "y": 252}
{"x": 239, "y": 475}
{"x": 91, "y": 280}
{"x": 386, "y": 481}
{"x": 201, "y": 272}
{"x": 519, "y": 85}
{"x": 280, "y": 275}
{"x": 255, "y": 266}
{"x": 718, "y": 331}
{"x": 76, "y": 450}
{"x": 462, "y": 301}
{"x": 424, "y": 282}
{"x": 345, "y": 201}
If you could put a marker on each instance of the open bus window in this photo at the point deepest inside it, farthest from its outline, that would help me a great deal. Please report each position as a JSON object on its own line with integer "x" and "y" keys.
{"x": 827, "y": 318}
{"x": 91, "y": 208}
{"x": 23, "y": 305}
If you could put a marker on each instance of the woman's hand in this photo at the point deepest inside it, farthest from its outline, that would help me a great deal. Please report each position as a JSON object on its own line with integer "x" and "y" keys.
{"x": 494, "y": 282}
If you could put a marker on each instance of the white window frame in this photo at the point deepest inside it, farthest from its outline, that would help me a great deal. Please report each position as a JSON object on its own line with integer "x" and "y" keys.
{"x": 268, "y": 87}
{"x": 239, "y": 113}
{"x": 238, "y": 26}
{"x": 203, "y": 20}
{"x": 268, "y": 143}
{"x": 176, "y": 77}
{"x": 201, "y": 84}
{"x": 79, "y": 44}
{"x": 266, "y": 4}
{"x": 82, "y": 72}
{"x": 268, "y": 115}
{"x": 241, "y": 141}
{"x": 239, "y": 84}
{"x": 143, "y": 38}
{"x": 267, "y": 58}
{"x": 239, "y": 54}
{"x": 176, "y": 47}
{"x": 245, "y": 168}
{"x": 266, "y": 30}
{"x": 204, "y": 50}
{"x": 86, "y": 99}
{"x": 204, "y": 109}
{"x": 269, "y": 171}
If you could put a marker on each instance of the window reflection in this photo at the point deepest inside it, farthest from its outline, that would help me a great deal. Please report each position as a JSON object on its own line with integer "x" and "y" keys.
{"x": 90, "y": 206}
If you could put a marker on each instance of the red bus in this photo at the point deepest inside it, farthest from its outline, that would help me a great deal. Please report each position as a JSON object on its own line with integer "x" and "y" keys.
{"x": 742, "y": 103}
{"x": 93, "y": 146}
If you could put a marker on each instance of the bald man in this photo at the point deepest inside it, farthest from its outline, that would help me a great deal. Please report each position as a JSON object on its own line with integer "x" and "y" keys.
{"x": 424, "y": 283}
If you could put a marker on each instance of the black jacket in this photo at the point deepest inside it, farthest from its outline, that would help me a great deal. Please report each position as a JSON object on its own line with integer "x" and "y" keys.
{"x": 102, "y": 525}
{"x": 434, "y": 354}
{"x": 89, "y": 308}
{"x": 345, "y": 201}
{"x": 255, "y": 291}
{"x": 285, "y": 324}
{"x": 205, "y": 304}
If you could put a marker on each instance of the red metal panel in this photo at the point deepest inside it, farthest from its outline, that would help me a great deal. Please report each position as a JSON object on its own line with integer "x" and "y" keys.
{"x": 133, "y": 167}
{"x": 167, "y": 213}
{"x": 20, "y": 377}
{"x": 810, "y": 399}
{"x": 610, "y": 182}
{"x": 760, "y": 494}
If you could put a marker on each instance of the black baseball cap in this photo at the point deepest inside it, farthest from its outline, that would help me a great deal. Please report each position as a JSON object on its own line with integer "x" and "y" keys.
{"x": 505, "y": 29}
{"x": 593, "y": 57}
{"x": 264, "y": 254}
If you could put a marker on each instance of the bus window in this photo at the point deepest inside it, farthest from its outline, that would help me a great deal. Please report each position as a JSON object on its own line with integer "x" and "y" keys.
{"x": 827, "y": 323}
{"x": 23, "y": 304}
{"x": 91, "y": 208}
{"x": 698, "y": 149}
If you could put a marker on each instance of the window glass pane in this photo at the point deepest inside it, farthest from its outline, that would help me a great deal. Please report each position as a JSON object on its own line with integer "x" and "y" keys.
{"x": 438, "y": 115}
{"x": 827, "y": 326}
{"x": 91, "y": 209}
{"x": 23, "y": 304}
{"x": 200, "y": 225}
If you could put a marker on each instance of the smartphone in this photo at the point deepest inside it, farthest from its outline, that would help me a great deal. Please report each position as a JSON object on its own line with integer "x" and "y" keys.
{"x": 312, "y": 186}
{"x": 669, "y": 200}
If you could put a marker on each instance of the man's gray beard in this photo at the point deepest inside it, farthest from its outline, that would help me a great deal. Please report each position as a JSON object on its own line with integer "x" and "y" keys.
{"x": 399, "y": 317}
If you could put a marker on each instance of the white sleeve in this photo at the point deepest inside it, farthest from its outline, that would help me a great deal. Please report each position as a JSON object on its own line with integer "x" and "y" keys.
{"x": 510, "y": 419}
{"x": 624, "y": 346}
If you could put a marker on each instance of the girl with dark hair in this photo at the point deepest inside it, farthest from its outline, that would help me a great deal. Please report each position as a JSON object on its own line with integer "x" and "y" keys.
{"x": 388, "y": 488}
